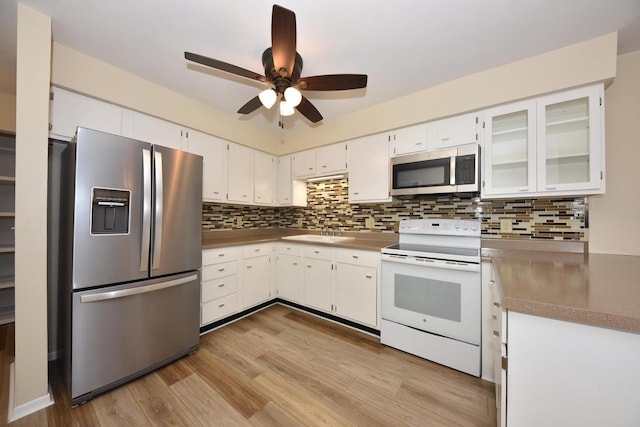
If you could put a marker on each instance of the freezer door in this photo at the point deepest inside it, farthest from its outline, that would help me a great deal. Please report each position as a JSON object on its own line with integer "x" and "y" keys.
{"x": 177, "y": 212}
{"x": 111, "y": 198}
{"x": 121, "y": 332}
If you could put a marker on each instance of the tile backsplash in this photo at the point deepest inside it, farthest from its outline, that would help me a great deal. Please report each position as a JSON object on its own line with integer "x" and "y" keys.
{"x": 328, "y": 207}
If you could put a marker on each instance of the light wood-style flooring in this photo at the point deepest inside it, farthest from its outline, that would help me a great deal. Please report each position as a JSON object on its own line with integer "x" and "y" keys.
{"x": 277, "y": 367}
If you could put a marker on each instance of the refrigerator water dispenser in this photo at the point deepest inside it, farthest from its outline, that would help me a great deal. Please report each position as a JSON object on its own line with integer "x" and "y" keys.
{"x": 109, "y": 211}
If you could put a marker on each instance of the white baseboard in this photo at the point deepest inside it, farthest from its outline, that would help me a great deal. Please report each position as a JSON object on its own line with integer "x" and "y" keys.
{"x": 17, "y": 412}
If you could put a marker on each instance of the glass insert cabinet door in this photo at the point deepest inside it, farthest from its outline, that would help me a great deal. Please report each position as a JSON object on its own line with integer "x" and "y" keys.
{"x": 568, "y": 148}
{"x": 510, "y": 152}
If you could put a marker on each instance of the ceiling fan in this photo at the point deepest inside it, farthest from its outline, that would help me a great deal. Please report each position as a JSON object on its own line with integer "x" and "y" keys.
{"x": 282, "y": 69}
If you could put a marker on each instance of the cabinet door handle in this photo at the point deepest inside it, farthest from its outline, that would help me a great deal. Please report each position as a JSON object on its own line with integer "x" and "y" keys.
{"x": 295, "y": 263}
{"x": 221, "y": 269}
{"x": 317, "y": 252}
{"x": 354, "y": 256}
{"x": 368, "y": 276}
{"x": 220, "y": 254}
{"x": 249, "y": 266}
{"x": 355, "y": 194}
{"x": 496, "y": 334}
{"x": 220, "y": 305}
{"x": 496, "y": 304}
{"x": 257, "y": 250}
{"x": 308, "y": 265}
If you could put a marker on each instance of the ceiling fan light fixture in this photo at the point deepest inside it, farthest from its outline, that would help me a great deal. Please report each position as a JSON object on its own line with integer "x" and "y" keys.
{"x": 268, "y": 97}
{"x": 293, "y": 96}
{"x": 286, "y": 109}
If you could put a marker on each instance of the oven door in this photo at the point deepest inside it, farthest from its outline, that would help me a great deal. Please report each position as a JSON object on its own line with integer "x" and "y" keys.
{"x": 436, "y": 296}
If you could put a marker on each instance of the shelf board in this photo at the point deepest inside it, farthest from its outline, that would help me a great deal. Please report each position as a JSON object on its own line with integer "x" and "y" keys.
{"x": 7, "y": 315}
{"x": 7, "y": 282}
{"x": 7, "y": 249}
{"x": 7, "y": 180}
{"x": 508, "y": 131}
{"x": 569, "y": 121}
{"x": 505, "y": 163}
{"x": 7, "y": 214}
{"x": 576, "y": 156}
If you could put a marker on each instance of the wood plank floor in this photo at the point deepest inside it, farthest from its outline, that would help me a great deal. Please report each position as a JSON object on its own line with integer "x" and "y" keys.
{"x": 277, "y": 367}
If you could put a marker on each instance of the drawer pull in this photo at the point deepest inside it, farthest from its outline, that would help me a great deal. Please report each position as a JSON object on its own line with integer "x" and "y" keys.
{"x": 355, "y": 256}
{"x": 308, "y": 265}
{"x": 221, "y": 269}
{"x": 295, "y": 263}
{"x": 220, "y": 305}
{"x": 257, "y": 250}
{"x": 317, "y": 252}
{"x": 220, "y": 254}
{"x": 249, "y": 266}
{"x": 221, "y": 285}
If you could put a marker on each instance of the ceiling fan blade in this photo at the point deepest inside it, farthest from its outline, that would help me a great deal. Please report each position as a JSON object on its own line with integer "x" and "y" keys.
{"x": 333, "y": 82}
{"x": 307, "y": 109}
{"x": 283, "y": 40}
{"x": 250, "y": 106}
{"x": 223, "y": 66}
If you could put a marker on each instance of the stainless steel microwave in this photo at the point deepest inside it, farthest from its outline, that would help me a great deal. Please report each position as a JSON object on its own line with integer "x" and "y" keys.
{"x": 452, "y": 170}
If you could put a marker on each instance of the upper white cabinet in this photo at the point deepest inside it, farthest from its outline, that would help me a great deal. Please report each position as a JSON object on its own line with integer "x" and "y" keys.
{"x": 240, "y": 174}
{"x": 264, "y": 178}
{"x": 304, "y": 164}
{"x": 331, "y": 158}
{"x": 368, "y": 160}
{"x": 454, "y": 131}
{"x": 510, "y": 149}
{"x": 289, "y": 192}
{"x": 70, "y": 110}
{"x": 213, "y": 151}
{"x": 411, "y": 139}
{"x": 571, "y": 141}
{"x": 320, "y": 161}
{"x": 157, "y": 131}
{"x": 549, "y": 146}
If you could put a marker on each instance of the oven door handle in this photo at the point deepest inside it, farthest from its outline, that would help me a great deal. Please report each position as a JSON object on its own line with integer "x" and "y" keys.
{"x": 428, "y": 262}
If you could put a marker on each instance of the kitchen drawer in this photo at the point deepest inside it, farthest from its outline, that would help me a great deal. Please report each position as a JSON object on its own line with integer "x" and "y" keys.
{"x": 252, "y": 251}
{"x": 219, "y": 308}
{"x": 216, "y": 288}
{"x": 289, "y": 249}
{"x": 318, "y": 252}
{"x": 216, "y": 256}
{"x": 350, "y": 256}
{"x": 219, "y": 270}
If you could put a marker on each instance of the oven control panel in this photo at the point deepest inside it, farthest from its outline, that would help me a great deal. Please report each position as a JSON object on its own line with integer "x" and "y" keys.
{"x": 447, "y": 227}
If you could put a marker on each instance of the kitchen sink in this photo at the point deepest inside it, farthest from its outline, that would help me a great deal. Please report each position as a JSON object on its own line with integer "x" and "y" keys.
{"x": 317, "y": 238}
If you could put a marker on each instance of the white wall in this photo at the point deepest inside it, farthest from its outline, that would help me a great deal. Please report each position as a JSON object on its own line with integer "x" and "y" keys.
{"x": 613, "y": 217}
{"x": 30, "y": 385}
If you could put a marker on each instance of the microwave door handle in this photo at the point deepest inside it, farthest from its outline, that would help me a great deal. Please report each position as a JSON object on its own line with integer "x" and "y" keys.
{"x": 157, "y": 236}
{"x": 453, "y": 170}
{"x": 146, "y": 209}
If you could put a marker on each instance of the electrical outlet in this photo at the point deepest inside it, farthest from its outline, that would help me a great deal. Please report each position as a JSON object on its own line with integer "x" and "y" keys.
{"x": 299, "y": 222}
{"x": 506, "y": 225}
{"x": 369, "y": 222}
{"x": 239, "y": 221}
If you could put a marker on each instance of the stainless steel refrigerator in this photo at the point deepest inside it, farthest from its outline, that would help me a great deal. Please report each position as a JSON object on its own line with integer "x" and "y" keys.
{"x": 131, "y": 252}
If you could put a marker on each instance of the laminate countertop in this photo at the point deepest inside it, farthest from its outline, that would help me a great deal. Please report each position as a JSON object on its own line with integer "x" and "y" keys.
{"x": 362, "y": 240}
{"x": 596, "y": 289}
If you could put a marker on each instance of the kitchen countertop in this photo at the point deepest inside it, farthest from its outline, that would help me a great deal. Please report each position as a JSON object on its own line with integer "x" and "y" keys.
{"x": 561, "y": 282}
{"x": 363, "y": 240}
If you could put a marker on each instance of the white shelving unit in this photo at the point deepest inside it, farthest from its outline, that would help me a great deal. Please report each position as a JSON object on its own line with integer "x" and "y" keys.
{"x": 7, "y": 225}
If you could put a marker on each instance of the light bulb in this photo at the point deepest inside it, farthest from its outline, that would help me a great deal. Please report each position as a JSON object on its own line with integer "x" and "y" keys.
{"x": 286, "y": 109}
{"x": 268, "y": 97}
{"x": 293, "y": 96}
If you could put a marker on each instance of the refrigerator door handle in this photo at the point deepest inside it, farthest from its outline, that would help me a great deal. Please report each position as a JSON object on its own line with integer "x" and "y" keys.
{"x": 157, "y": 239}
{"x": 138, "y": 290}
{"x": 146, "y": 209}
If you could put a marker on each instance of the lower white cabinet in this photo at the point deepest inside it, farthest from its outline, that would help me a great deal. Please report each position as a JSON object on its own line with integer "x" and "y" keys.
{"x": 289, "y": 272}
{"x": 342, "y": 282}
{"x": 256, "y": 274}
{"x": 317, "y": 282}
{"x": 219, "y": 291}
{"x": 355, "y": 286}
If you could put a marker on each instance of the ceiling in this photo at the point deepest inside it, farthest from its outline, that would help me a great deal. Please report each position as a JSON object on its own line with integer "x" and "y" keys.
{"x": 403, "y": 46}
